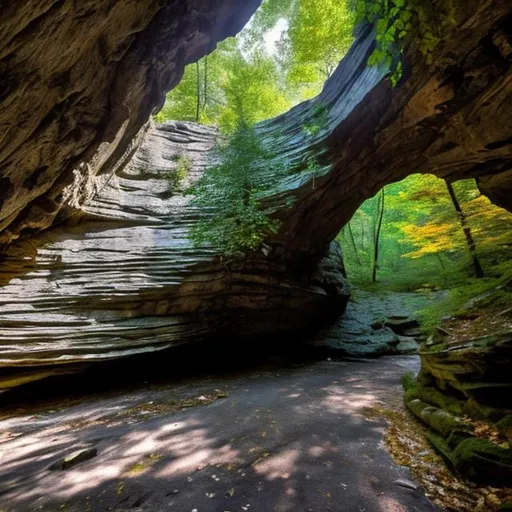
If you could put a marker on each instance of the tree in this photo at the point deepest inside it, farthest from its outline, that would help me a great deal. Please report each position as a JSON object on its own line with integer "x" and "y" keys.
{"x": 466, "y": 230}
{"x": 378, "y": 224}
{"x": 421, "y": 236}
{"x": 228, "y": 194}
{"x": 318, "y": 35}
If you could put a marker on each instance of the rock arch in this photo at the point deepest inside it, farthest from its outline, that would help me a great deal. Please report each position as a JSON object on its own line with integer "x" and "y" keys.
{"x": 121, "y": 277}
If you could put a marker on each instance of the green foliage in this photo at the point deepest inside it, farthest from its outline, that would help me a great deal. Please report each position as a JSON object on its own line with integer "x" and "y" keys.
{"x": 422, "y": 244}
{"x": 319, "y": 35}
{"x": 408, "y": 381}
{"x": 318, "y": 121}
{"x": 423, "y": 249}
{"x": 177, "y": 177}
{"x": 252, "y": 91}
{"x": 396, "y": 20}
{"x": 454, "y": 300}
{"x": 229, "y": 193}
{"x": 241, "y": 78}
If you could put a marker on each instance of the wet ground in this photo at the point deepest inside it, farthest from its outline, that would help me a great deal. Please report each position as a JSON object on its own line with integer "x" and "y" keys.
{"x": 278, "y": 437}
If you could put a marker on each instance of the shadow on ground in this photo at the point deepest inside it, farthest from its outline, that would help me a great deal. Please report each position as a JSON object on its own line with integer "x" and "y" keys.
{"x": 283, "y": 436}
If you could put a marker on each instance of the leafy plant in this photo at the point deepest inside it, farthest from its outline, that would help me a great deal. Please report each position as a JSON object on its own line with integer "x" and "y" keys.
{"x": 177, "y": 177}
{"x": 318, "y": 121}
{"x": 396, "y": 19}
{"x": 262, "y": 79}
{"x": 228, "y": 194}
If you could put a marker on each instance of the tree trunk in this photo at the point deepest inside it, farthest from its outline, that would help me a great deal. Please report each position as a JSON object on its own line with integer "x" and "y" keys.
{"x": 377, "y": 237}
{"x": 205, "y": 85}
{"x": 352, "y": 239}
{"x": 466, "y": 230}
{"x": 440, "y": 261}
{"x": 198, "y": 93}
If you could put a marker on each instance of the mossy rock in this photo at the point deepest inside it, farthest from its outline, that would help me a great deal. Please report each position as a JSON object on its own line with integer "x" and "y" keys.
{"x": 483, "y": 462}
{"x": 441, "y": 446}
{"x": 457, "y": 436}
{"x": 441, "y": 421}
{"x": 478, "y": 411}
{"x": 444, "y": 401}
{"x": 505, "y": 426}
{"x": 412, "y": 394}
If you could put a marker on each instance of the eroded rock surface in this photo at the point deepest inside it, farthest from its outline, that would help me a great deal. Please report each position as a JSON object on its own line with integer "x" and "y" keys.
{"x": 463, "y": 391}
{"x": 78, "y": 80}
{"x": 376, "y": 324}
{"x": 127, "y": 279}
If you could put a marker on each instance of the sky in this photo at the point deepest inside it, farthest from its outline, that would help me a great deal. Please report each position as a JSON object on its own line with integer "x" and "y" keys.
{"x": 273, "y": 35}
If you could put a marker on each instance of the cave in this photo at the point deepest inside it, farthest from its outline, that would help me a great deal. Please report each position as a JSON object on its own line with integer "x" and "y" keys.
{"x": 96, "y": 265}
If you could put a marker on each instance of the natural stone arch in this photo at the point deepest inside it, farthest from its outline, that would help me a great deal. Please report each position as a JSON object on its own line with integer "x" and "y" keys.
{"x": 125, "y": 279}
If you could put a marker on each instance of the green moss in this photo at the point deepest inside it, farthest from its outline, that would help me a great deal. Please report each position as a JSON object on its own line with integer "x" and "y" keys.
{"x": 408, "y": 381}
{"x": 475, "y": 410}
{"x": 443, "y": 401}
{"x": 455, "y": 301}
{"x": 482, "y": 461}
{"x": 441, "y": 446}
{"x": 457, "y": 436}
{"x": 441, "y": 421}
{"x": 412, "y": 394}
{"x": 505, "y": 426}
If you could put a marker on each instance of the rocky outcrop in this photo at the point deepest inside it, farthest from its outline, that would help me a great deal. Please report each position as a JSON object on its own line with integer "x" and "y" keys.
{"x": 71, "y": 107}
{"x": 463, "y": 391}
{"x": 453, "y": 119}
{"x": 122, "y": 277}
{"x": 78, "y": 80}
{"x": 374, "y": 325}
{"x": 127, "y": 280}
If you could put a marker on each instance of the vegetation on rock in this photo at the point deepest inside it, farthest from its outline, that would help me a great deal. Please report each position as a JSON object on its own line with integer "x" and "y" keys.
{"x": 229, "y": 191}
{"x": 178, "y": 176}
{"x": 397, "y": 20}
{"x": 423, "y": 234}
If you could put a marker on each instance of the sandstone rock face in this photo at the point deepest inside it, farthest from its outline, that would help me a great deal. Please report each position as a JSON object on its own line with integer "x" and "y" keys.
{"x": 469, "y": 379}
{"x": 78, "y": 77}
{"x": 122, "y": 277}
{"x": 453, "y": 120}
{"x": 375, "y": 325}
{"x": 126, "y": 279}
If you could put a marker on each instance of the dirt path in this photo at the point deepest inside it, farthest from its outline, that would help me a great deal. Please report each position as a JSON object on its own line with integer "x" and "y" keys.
{"x": 286, "y": 439}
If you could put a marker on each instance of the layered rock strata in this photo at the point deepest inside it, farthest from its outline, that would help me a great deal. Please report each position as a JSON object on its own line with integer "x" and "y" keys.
{"x": 78, "y": 80}
{"x": 126, "y": 279}
{"x": 122, "y": 277}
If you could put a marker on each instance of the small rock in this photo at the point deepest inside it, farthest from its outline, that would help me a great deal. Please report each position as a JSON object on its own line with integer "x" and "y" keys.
{"x": 74, "y": 458}
{"x": 407, "y": 484}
